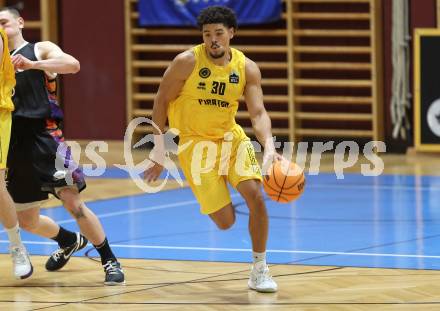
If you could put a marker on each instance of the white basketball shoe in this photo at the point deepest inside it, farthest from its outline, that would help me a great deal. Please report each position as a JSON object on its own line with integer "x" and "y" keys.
{"x": 261, "y": 280}
{"x": 21, "y": 263}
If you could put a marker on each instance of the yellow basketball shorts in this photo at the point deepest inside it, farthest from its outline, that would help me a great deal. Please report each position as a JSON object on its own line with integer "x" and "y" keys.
{"x": 5, "y": 136}
{"x": 209, "y": 164}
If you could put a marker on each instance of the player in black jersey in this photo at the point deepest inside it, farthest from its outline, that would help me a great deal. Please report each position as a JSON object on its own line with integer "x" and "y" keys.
{"x": 36, "y": 143}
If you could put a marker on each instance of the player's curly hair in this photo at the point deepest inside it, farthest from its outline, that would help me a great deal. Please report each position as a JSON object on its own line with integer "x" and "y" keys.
{"x": 217, "y": 15}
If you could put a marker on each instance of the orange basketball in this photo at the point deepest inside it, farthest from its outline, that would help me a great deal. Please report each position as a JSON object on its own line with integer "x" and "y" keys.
{"x": 284, "y": 182}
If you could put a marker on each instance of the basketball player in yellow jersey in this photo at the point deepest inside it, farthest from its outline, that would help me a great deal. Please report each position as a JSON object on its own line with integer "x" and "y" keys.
{"x": 8, "y": 216}
{"x": 199, "y": 94}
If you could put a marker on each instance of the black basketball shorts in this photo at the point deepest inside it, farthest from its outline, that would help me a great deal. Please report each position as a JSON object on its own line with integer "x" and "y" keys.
{"x": 39, "y": 161}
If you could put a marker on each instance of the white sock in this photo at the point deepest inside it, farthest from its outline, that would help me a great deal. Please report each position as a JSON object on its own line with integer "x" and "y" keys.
{"x": 14, "y": 235}
{"x": 259, "y": 258}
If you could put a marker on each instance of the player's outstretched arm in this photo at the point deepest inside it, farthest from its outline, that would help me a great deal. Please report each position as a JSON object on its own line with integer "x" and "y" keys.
{"x": 253, "y": 95}
{"x": 172, "y": 82}
{"x": 53, "y": 60}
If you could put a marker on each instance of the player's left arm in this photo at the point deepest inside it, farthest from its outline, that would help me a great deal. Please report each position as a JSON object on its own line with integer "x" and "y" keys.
{"x": 253, "y": 95}
{"x": 53, "y": 60}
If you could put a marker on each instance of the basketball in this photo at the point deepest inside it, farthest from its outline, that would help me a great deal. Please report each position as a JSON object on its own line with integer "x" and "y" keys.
{"x": 284, "y": 182}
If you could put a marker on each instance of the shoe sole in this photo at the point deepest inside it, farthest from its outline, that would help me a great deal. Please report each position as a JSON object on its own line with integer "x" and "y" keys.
{"x": 268, "y": 290}
{"x": 114, "y": 283}
{"x": 22, "y": 277}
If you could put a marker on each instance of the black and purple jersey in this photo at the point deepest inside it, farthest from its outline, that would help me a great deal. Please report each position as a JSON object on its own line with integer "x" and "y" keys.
{"x": 35, "y": 92}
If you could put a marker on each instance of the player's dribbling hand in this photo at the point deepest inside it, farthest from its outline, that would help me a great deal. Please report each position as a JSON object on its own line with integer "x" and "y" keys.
{"x": 21, "y": 63}
{"x": 269, "y": 158}
{"x": 157, "y": 156}
{"x": 153, "y": 172}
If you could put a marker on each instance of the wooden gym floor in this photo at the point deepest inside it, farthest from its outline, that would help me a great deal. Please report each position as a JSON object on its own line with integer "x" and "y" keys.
{"x": 361, "y": 243}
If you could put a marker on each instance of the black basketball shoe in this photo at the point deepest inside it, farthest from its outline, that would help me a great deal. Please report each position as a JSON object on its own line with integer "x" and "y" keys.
{"x": 61, "y": 256}
{"x": 114, "y": 275}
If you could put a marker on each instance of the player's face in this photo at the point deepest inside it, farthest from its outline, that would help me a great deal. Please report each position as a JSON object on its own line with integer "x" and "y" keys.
{"x": 10, "y": 23}
{"x": 216, "y": 38}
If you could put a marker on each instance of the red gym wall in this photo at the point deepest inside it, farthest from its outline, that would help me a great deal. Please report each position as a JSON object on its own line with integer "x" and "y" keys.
{"x": 94, "y": 98}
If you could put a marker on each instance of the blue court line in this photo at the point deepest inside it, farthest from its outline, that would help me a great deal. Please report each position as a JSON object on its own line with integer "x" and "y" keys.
{"x": 241, "y": 250}
{"x": 117, "y": 173}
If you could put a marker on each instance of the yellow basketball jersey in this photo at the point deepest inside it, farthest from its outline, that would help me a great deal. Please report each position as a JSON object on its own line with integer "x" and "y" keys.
{"x": 7, "y": 76}
{"x": 208, "y": 101}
